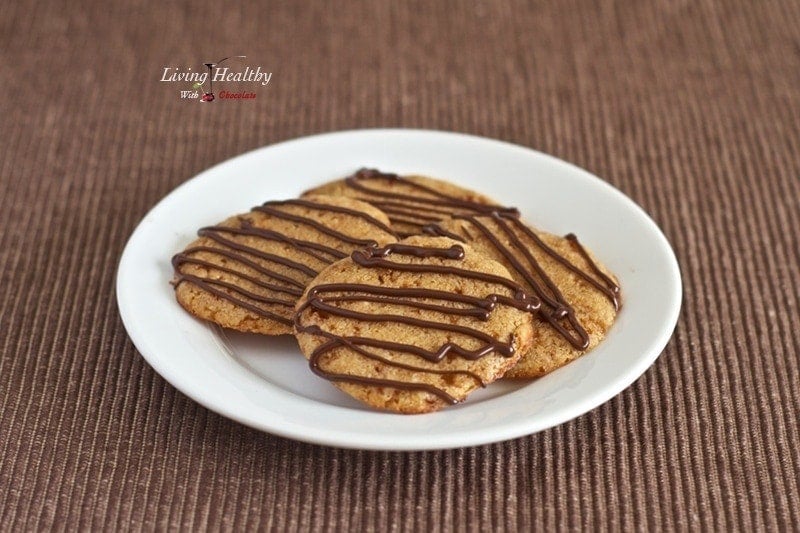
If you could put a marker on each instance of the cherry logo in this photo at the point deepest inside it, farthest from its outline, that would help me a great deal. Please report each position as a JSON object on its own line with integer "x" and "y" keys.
{"x": 208, "y": 96}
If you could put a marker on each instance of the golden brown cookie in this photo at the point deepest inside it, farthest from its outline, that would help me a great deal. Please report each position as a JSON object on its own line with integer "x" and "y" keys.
{"x": 579, "y": 296}
{"x": 411, "y": 202}
{"x": 248, "y": 272}
{"x": 415, "y": 325}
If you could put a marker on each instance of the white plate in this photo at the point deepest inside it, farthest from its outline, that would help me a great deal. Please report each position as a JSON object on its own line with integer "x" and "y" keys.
{"x": 265, "y": 382}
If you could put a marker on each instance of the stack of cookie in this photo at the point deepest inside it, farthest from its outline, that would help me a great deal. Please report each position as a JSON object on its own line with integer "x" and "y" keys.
{"x": 406, "y": 292}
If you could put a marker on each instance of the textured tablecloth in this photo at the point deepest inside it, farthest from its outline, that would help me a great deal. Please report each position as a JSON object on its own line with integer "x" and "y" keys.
{"x": 692, "y": 108}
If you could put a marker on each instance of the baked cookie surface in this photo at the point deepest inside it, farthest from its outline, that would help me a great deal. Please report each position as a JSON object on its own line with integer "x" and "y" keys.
{"x": 414, "y": 326}
{"x": 579, "y": 296}
{"x": 247, "y": 272}
{"x": 411, "y": 202}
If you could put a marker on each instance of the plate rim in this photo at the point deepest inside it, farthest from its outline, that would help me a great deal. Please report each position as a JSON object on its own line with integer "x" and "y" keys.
{"x": 473, "y": 437}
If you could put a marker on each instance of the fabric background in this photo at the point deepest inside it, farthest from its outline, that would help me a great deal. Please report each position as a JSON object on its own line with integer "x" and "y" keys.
{"x": 691, "y": 108}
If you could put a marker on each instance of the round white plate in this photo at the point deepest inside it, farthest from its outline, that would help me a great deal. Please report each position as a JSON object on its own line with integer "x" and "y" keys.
{"x": 265, "y": 382}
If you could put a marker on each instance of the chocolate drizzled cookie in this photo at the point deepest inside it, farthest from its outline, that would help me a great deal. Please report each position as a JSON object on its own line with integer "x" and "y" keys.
{"x": 247, "y": 272}
{"x": 414, "y": 326}
{"x": 411, "y": 202}
{"x": 579, "y": 296}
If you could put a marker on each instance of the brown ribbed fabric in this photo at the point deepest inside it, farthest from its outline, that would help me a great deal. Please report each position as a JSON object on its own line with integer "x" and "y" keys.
{"x": 692, "y": 108}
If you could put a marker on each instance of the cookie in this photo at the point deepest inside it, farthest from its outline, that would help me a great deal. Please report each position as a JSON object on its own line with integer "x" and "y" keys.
{"x": 411, "y": 202}
{"x": 414, "y": 326}
{"x": 579, "y": 296}
{"x": 247, "y": 272}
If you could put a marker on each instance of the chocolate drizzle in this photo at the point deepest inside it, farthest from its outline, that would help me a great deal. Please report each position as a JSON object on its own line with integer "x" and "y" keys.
{"x": 239, "y": 257}
{"x": 555, "y": 309}
{"x": 418, "y": 206}
{"x": 324, "y": 298}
